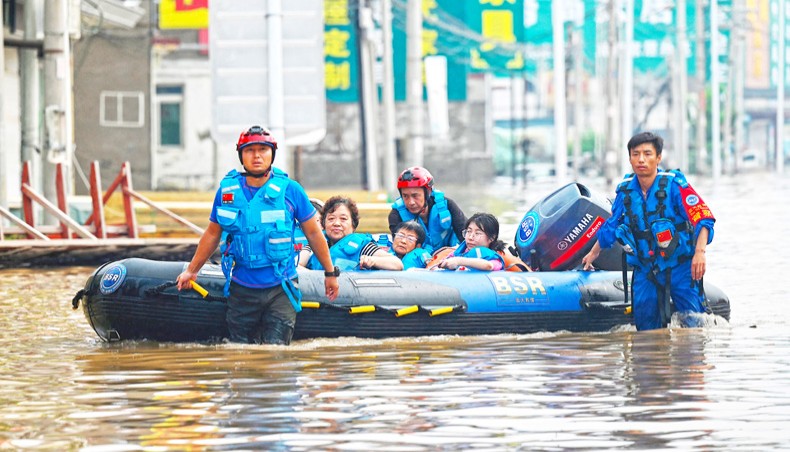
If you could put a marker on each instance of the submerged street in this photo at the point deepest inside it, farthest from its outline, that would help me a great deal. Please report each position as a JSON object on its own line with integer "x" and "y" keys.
{"x": 718, "y": 388}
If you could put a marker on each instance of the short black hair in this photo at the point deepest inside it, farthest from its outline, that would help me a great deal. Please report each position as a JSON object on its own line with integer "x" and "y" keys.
{"x": 646, "y": 137}
{"x": 413, "y": 226}
{"x": 334, "y": 202}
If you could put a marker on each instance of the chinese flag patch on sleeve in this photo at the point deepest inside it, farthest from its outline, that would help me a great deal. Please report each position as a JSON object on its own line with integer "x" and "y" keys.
{"x": 227, "y": 198}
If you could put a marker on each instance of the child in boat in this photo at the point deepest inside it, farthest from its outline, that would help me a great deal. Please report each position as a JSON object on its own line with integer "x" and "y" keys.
{"x": 407, "y": 241}
{"x": 479, "y": 250}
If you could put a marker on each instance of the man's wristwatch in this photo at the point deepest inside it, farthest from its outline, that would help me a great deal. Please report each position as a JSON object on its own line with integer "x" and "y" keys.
{"x": 335, "y": 272}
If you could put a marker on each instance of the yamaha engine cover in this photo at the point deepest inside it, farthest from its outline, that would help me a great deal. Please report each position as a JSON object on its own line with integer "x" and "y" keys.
{"x": 561, "y": 229}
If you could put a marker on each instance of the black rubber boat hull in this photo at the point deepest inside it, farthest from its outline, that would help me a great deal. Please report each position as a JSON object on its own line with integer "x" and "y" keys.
{"x": 135, "y": 299}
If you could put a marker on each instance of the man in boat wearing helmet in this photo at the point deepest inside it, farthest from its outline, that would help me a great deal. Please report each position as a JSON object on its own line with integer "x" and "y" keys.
{"x": 664, "y": 227}
{"x": 253, "y": 219}
{"x": 440, "y": 216}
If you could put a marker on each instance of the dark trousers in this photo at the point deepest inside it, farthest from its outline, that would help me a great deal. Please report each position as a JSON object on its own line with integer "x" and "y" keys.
{"x": 258, "y": 316}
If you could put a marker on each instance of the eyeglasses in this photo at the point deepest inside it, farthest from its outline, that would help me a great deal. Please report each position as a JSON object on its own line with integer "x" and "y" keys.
{"x": 469, "y": 234}
{"x": 402, "y": 236}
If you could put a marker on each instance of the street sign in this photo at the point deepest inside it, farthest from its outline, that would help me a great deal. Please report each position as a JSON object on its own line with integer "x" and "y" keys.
{"x": 239, "y": 55}
{"x": 340, "y": 52}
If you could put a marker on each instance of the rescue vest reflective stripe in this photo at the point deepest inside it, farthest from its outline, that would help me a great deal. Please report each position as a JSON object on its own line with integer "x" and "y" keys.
{"x": 660, "y": 230}
{"x": 345, "y": 252}
{"x": 479, "y": 252}
{"x": 256, "y": 233}
{"x": 439, "y": 231}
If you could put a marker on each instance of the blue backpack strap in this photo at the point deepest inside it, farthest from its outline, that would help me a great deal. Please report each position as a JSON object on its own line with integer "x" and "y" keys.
{"x": 623, "y": 185}
{"x": 400, "y": 206}
{"x": 679, "y": 178}
{"x": 294, "y": 294}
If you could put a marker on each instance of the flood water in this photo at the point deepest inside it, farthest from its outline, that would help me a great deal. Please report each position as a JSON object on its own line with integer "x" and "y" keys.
{"x": 719, "y": 388}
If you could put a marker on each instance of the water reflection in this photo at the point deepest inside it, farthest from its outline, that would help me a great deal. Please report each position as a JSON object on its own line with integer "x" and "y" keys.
{"x": 619, "y": 389}
{"x": 665, "y": 380}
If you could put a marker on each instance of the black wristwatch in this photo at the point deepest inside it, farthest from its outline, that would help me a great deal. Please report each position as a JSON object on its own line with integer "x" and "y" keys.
{"x": 335, "y": 272}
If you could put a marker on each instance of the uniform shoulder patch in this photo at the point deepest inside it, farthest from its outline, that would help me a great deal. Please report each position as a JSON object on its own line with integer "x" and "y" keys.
{"x": 679, "y": 178}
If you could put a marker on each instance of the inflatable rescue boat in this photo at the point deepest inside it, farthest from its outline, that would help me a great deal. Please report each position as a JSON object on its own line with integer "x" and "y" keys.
{"x": 135, "y": 299}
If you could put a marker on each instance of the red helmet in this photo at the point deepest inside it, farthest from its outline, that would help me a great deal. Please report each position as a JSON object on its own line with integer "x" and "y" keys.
{"x": 256, "y": 135}
{"x": 416, "y": 176}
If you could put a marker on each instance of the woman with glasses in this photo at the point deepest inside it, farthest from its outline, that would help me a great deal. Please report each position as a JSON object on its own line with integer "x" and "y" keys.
{"x": 479, "y": 249}
{"x": 407, "y": 244}
{"x": 350, "y": 250}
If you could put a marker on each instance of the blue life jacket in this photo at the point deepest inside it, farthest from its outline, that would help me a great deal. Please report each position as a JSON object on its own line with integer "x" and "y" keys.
{"x": 660, "y": 231}
{"x": 257, "y": 233}
{"x": 479, "y": 252}
{"x": 416, "y": 258}
{"x": 439, "y": 231}
{"x": 345, "y": 253}
{"x": 300, "y": 241}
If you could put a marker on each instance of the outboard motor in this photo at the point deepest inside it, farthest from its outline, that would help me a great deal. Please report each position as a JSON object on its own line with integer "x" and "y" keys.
{"x": 560, "y": 230}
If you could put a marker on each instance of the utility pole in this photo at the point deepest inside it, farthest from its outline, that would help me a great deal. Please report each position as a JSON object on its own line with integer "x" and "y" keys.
{"x": 3, "y": 152}
{"x": 780, "y": 92}
{"x": 627, "y": 100}
{"x": 414, "y": 144}
{"x": 702, "y": 153}
{"x": 726, "y": 128}
{"x": 715, "y": 110}
{"x": 578, "y": 73}
{"x": 57, "y": 87}
{"x": 560, "y": 117}
{"x": 276, "y": 104}
{"x": 390, "y": 171}
{"x": 609, "y": 156}
{"x": 369, "y": 145}
{"x": 683, "y": 149}
{"x": 31, "y": 99}
{"x": 740, "y": 51}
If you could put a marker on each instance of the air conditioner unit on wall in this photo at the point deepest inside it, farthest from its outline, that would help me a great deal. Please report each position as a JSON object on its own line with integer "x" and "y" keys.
{"x": 124, "y": 14}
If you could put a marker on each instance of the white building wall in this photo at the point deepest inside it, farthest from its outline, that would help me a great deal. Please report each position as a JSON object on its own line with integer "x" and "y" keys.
{"x": 190, "y": 166}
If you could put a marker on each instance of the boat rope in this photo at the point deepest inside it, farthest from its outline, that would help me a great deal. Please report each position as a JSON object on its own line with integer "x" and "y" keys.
{"x": 75, "y": 302}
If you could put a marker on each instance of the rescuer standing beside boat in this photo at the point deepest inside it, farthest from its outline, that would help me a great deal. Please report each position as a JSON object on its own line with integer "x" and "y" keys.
{"x": 664, "y": 226}
{"x": 254, "y": 215}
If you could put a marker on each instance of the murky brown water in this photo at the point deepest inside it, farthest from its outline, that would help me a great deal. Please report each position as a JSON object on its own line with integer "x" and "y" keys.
{"x": 719, "y": 388}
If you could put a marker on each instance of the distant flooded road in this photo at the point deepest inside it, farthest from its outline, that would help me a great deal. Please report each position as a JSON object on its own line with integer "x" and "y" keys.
{"x": 721, "y": 388}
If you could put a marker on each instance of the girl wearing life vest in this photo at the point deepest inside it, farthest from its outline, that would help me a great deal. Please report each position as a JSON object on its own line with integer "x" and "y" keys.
{"x": 407, "y": 244}
{"x": 350, "y": 250}
{"x": 479, "y": 249}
